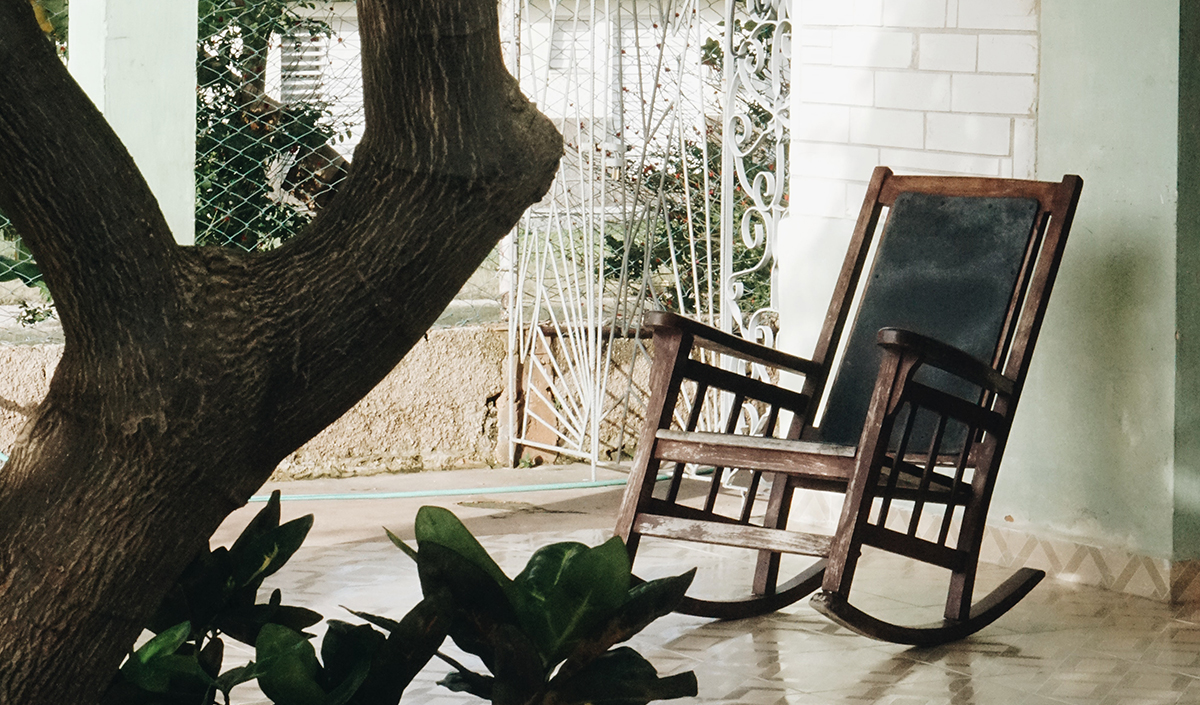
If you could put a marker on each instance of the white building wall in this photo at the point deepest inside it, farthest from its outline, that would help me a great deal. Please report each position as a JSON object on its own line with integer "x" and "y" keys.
{"x": 922, "y": 86}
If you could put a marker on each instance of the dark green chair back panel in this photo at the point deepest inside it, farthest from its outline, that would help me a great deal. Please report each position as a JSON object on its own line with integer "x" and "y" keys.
{"x": 946, "y": 267}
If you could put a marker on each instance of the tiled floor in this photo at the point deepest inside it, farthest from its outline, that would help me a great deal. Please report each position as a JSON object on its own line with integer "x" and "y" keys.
{"x": 1063, "y": 644}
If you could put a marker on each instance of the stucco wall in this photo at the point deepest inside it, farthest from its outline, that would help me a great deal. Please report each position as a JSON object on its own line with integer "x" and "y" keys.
{"x": 1091, "y": 454}
{"x": 436, "y": 410}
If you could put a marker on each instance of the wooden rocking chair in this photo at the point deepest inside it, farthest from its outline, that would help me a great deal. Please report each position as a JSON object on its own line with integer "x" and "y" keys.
{"x": 916, "y": 416}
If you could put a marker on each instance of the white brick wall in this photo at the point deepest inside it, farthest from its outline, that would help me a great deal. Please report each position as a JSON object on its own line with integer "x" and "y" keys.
{"x": 872, "y": 47}
{"x": 948, "y": 52}
{"x": 825, "y": 85}
{"x": 921, "y": 85}
{"x": 914, "y": 13}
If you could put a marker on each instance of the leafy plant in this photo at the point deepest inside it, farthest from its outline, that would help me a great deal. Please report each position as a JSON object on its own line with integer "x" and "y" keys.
{"x": 683, "y": 241}
{"x": 215, "y": 597}
{"x": 361, "y": 665}
{"x": 33, "y": 313}
{"x": 547, "y": 635}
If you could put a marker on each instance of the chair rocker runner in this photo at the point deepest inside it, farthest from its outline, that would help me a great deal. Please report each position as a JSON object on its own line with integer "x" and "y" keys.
{"x": 916, "y": 414}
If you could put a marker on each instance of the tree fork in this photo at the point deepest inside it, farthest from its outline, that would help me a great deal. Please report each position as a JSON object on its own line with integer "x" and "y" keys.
{"x": 189, "y": 373}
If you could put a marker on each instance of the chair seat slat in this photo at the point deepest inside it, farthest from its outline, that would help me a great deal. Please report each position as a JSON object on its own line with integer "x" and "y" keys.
{"x": 817, "y": 460}
{"x": 736, "y": 535}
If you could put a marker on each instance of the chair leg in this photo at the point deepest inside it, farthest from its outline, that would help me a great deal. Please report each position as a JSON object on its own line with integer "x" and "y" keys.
{"x": 962, "y": 587}
{"x": 779, "y": 507}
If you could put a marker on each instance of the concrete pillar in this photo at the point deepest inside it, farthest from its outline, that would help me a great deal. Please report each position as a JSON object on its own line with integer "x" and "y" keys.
{"x": 136, "y": 59}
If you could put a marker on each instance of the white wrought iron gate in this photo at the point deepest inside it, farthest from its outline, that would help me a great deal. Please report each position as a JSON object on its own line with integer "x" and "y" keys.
{"x": 670, "y": 194}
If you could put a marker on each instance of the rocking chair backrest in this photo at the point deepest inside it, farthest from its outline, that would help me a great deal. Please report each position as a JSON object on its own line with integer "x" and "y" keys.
{"x": 953, "y": 263}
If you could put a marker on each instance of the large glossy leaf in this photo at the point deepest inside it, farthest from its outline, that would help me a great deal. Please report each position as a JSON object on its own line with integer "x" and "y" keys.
{"x": 620, "y": 677}
{"x": 201, "y": 592}
{"x": 266, "y": 553}
{"x": 244, "y": 623}
{"x": 519, "y": 670}
{"x": 168, "y": 642}
{"x": 236, "y": 676}
{"x": 158, "y": 668}
{"x": 479, "y": 605}
{"x": 399, "y": 543}
{"x": 469, "y": 682}
{"x": 647, "y": 602}
{"x": 440, "y": 526}
{"x": 288, "y": 667}
{"x": 211, "y": 657}
{"x": 544, "y": 570}
{"x": 567, "y": 589}
{"x": 390, "y": 625}
{"x": 602, "y": 573}
{"x": 347, "y": 652}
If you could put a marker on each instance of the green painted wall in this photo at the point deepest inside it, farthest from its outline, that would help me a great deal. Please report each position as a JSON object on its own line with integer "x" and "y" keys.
{"x": 1187, "y": 287}
{"x": 1093, "y": 453}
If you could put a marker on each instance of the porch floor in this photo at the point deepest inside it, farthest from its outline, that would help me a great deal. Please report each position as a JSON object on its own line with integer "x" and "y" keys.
{"x": 1065, "y": 643}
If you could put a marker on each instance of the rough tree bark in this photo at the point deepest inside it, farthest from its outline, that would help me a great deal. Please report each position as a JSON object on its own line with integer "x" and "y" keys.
{"x": 189, "y": 373}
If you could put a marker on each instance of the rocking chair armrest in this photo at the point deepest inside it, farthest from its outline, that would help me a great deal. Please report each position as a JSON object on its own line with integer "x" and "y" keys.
{"x": 947, "y": 357}
{"x": 720, "y": 341}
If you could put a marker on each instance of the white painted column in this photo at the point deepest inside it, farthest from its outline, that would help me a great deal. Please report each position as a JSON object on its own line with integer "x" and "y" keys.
{"x": 136, "y": 60}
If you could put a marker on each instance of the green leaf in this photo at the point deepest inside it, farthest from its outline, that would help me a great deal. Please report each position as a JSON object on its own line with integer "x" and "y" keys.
{"x": 288, "y": 667}
{"x": 383, "y": 622}
{"x": 156, "y": 664}
{"x": 440, "y": 526}
{"x": 244, "y": 623}
{"x": 165, "y": 643}
{"x": 347, "y": 651}
{"x": 469, "y": 682}
{"x": 410, "y": 644}
{"x": 27, "y": 272}
{"x": 211, "y": 656}
{"x": 566, "y": 589}
{"x": 266, "y": 520}
{"x": 202, "y": 591}
{"x": 603, "y": 574}
{"x": 236, "y": 676}
{"x": 519, "y": 669}
{"x": 478, "y": 606}
{"x": 266, "y": 553}
{"x": 647, "y": 602}
{"x": 620, "y": 677}
{"x": 399, "y": 542}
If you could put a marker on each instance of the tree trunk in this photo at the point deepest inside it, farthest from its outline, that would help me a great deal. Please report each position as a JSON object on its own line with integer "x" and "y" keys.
{"x": 188, "y": 374}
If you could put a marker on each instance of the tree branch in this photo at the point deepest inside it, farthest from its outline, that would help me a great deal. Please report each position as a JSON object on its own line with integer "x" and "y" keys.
{"x": 452, "y": 155}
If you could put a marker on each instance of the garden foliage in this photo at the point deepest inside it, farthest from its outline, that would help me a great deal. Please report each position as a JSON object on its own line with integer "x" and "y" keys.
{"x": 546, "y": 636}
